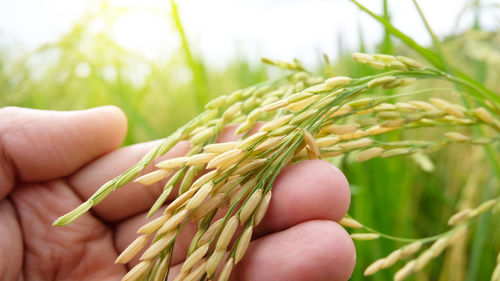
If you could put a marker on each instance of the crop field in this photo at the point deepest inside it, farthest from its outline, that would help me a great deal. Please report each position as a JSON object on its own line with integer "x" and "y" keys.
{"x": 415, "y": 129}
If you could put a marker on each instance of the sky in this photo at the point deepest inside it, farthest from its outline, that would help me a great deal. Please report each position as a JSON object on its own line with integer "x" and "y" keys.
{"x": 219, "y": 30}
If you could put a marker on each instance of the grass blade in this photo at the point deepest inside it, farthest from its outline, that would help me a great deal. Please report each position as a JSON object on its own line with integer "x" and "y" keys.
{"x": 387, "y": 44}
{"x": 426, "y": 53}
{"x": 200, "y": 79}
{"x": 431, "y": 56}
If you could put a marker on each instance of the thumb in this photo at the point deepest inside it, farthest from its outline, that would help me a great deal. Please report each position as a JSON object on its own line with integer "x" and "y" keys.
{"x": 38, "y": 145}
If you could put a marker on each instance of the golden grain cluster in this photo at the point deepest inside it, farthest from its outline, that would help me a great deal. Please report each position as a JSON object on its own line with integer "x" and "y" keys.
{"x": 223, "y": 187}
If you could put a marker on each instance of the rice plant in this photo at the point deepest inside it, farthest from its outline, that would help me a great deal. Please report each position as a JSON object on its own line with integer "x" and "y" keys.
{"x": 297, "y": 117}
{"x": 389, "y": 119}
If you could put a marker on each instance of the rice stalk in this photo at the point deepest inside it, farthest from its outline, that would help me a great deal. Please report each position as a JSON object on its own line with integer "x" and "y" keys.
{"x": 305, "y": 117}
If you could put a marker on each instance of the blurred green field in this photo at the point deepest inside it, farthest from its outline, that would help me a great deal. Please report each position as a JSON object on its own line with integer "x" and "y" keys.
{"x": 395, "y": 196}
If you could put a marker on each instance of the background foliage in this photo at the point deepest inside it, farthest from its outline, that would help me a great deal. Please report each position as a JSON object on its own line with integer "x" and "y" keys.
{"x": 397, "y": 196}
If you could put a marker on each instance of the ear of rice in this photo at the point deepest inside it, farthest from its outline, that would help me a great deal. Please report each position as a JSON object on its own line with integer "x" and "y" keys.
{"x": 423, "y": 260}
{"x": 172, "y": 163}
{"x": 354, "y": 135}
{"x": 217, "y": 102}
{"x": 268, "y": 143}
{"x": 152, "y": 177}
{"x": 209, "y": 234}
{"x": 352, "y": 223}
{"x": 188, "y": 179}
{"x": 311, "y": 142}
{"x": 243, "y": 244}
{"x": 276, "y": 123}
{"x": 339, "y": 111}
{"x": 226, "y": 159}
{"x": 226, "y": 270}
{"x": 397, "y": 65}
{"x": 220, "y": 147}
{"x": 392, "y": 258}
{"x": 404, "y": 272}
{"x": 275, "y": 105}
{"x": 249, "y": 207}
{"x": 362, "y": 57}
{"x": 364, "y": 236}
{"x": 299, "y": 105}
{"x": 410, "y": 63}
{"x": 227, "y": 233}
{"x": 210, "y": 205}
{"x": 423, "y": 105}
{"x": 180, "y": 276}
{"x": 249, "y": 166}
{"x": 299, "y": 118}
{"x": 380, "y": 81}
{"x": 223, "y": 187}
{"x": 283, "y": 130}
{"x": 327, "y": 141}
{"x": 384, "y": 107}
{"x": 298, "y": 97}
{"x": 239, "y": 193}
{"x": 411, "y": 249}
{"x": 202, "y": 136}
{"x": 197, "y": 273}
{"x": 132, "y": 249}
{"x": 201, "y": 158}
{"x": 153, "y": 225}
{"x": 373, "y": 268}
{"x": 232, "y": 111}
{"x": 77, "y": 212}
{"x": 173, "y": 222}
{"x": 369, "y": 154}
{"x": 194, "y": 258}
{"x": 483, "y": 115}
{"x": 161, "y": 272}
{"x": 394, "y": 123}
{"x": 378, "y": 130}
{"x": 333, "y": 152}
{"x": 396, "y": 152}
{"x": 214, "y": 261}
{"x": 459, "y": 217}
{"x": 245, "y": 126}
{"x": 204, "y": 179}
{"x": 157, "y": 247}
{"x": 456, "y": 137}
{"x": 355, "y": 144}
{"x": 249, "y": 141}
{"x": 338, "y": 81}
{"x": 138, "y": 270}
{"x": 341, "y": 129}
{"x": 200, "y": 196}
{"x": 181, "y": 199}
{"x": 262, "y": 208}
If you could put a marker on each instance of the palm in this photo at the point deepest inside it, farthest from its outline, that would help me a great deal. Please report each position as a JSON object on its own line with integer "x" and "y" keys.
{"x": 81, "y": 251}
{"x": 74, "y": 155}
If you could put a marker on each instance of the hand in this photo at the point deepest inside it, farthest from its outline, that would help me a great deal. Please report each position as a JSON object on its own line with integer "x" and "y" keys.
{"x": 51, "y": 161}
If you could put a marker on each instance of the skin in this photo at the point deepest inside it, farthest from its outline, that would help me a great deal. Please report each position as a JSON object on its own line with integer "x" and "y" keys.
{"x": 51, "y": 161}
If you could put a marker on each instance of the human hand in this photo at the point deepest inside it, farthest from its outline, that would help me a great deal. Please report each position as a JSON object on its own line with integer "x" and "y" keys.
{"x": 51, "y": 161}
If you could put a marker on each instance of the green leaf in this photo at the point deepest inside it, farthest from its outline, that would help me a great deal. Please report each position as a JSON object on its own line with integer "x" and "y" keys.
{"x": 425, "y": 52}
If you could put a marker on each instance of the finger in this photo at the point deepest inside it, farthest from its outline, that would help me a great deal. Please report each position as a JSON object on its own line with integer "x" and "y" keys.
{"x": 132, "y": 198}
{"x": 11, "y": 244}
{"x": 310, "y": 190}
{"x": 126, "y": 232}
{"x": 83, "y": 250}
{"x": 38, "y": 145}
{"x": 314, "y": 250}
